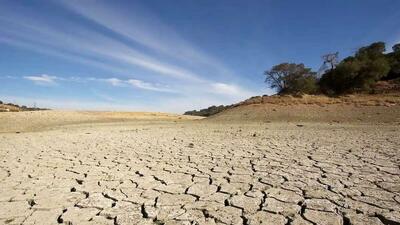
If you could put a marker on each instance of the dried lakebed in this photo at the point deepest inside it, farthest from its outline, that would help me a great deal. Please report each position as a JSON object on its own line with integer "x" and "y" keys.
{"x": 201, "y": 173}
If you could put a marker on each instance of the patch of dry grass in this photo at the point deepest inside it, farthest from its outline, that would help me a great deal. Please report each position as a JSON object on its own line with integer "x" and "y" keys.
{"x": 363, "y": 100}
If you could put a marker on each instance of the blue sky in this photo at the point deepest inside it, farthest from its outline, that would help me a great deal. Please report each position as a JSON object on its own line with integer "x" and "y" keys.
{"x": 172, "y": 56}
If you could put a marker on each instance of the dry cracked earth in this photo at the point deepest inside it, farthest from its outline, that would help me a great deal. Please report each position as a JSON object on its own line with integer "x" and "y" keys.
{"x": 202, "y": 173}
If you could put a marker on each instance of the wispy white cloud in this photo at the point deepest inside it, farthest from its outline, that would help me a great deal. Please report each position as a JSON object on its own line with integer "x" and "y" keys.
{"x": 111, "y": 81}
{"x": 222, "y": 89}
{"x": 48, "y": 50}
{"x": 84, "y": 44}
{"x": 141, "y": 25}
{"x": 184, "y": 97}
{"x": 114, "y": 81}
{"x": 136, "y": 83}
{"x": 230, "y": 89}
{"x": 167, "y": 59}
{"x": 76, "y": 40}
{"x": 42, "y": 79}
{"x": 148, "y": 86}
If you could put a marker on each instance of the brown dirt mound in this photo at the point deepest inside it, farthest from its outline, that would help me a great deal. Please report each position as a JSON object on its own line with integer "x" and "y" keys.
{"x": 309, "y": 108}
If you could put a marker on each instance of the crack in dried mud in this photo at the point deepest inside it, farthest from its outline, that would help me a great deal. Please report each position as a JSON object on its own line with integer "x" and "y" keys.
{"x": 202, "y": 174}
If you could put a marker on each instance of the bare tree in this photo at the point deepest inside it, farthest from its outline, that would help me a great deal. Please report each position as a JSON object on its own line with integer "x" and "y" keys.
{"x": 396, "y": 47}
{"x": 331, "y": 60}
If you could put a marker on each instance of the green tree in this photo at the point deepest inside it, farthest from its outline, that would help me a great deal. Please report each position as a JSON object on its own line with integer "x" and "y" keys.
{"x": 340, "y": 79}
{"x": 357, "y": 73}
{"x": 291, "y": 78}
{"x": 394, "y": 61}
{"x": 374, "y": 50}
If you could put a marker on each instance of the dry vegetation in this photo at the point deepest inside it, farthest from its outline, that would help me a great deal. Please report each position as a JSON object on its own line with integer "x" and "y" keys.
{"x": 322, "y": 100}
{"x": 309, "y": 108}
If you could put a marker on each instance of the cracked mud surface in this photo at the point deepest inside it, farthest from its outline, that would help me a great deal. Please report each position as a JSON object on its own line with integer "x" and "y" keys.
{"x": 202, "y": 173}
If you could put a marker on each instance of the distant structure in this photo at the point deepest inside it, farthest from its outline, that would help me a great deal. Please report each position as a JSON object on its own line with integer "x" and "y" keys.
{"x": 330, "y": 62}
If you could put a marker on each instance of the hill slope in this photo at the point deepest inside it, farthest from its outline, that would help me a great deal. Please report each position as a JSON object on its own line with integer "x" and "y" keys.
{"x": 351, "y": 108}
